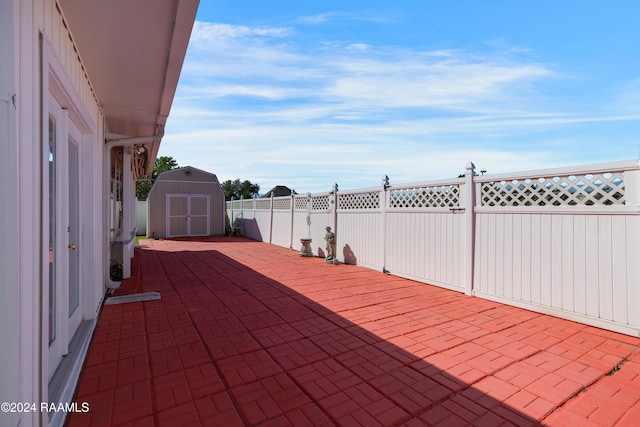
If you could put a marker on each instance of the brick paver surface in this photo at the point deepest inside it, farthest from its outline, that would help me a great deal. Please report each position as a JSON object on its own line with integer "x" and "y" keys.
{"x": 248, "y": 333}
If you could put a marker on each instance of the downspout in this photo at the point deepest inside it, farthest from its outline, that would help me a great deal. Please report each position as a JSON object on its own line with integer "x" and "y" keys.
{"x": 123, "y": 142}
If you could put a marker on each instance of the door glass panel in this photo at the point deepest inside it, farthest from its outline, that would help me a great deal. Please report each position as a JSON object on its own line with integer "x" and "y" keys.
{"x": 74, "y": 282}
{"x": 52, "y": 229}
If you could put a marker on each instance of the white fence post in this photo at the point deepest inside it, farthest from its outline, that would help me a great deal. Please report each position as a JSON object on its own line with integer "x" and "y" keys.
{"x": 270, "y": 220}
{"x": 292, "y": 212}
{"x": 632, "y": 197}
{"x": 231, "y": 219}
{"x": 308, "y": 218}
{"x": 469, "y": 228}
{"x": 334, "y": 201}
{"x": 241, "y": 216}
{"x": 632, "y": 187}
{"x": 384, "y": 200}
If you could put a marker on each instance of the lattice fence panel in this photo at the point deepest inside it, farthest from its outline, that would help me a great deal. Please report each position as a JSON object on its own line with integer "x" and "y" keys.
{"x": 300, "y": 203}
{"x": 282, "y": 204}
{"x": 572, "y": 190}
{"x": 440, "y": 196}
{"x": 236, "y": 205}
{"x": 264, "y": 204}
{"x": 359, "y": 201}
{"x": 247, "y": 204}
{"x": 320, "y": 203}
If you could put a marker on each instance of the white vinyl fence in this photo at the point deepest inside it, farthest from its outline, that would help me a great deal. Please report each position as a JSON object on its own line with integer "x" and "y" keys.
{"x": 141, "y": 217}
{"x": 560, "y": 241}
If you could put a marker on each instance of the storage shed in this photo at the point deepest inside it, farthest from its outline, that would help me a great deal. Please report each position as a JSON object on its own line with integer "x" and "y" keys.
{"x": 185, "y": 202}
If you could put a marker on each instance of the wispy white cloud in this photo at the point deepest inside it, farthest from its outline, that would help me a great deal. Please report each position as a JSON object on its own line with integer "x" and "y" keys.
{"x": 314, "y": 19}
{"x": 354, "y": 73}
{"x": 211, "y": 32}
{"x": 255, "y": 104}
{"x": 270, "y": 92}
{"x": 366, "y": 16}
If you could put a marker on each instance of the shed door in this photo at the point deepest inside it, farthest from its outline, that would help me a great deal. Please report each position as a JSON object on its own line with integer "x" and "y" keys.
{"x": 198, "y": 215}
{"x": 187, "y": 215}
{"x": 176, "y": 215}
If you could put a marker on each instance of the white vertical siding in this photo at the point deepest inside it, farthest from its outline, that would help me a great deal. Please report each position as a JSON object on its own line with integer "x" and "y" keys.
{"x": 573, "y": 263}
{"x": 605, "y": 269}
{"x": 632, "y": 257}
{"x": 282, "y": 228}
{"x": 61, "y": 44}
{"x": 31, "y": 66}
{"x": 580, "y": 264}
{"x": 426, "y": 247}
{"x": 12, "y": 331}
{"x": 256, "y": 225}
{"x": 592, "y": 267}
{"x": 546, "y": 260}
{"x": 300, "y": 228}
{"x": 618, "y": 263}
{"x": 319, "y": 220}
{"x": 359, "y": 239}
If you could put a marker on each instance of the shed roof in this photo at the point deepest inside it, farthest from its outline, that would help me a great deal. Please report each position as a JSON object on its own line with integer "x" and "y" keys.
{"x": 187, "y": 173}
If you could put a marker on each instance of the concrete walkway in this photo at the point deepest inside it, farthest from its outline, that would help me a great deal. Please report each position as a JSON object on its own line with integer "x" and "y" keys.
{"x": 252, "y": 334}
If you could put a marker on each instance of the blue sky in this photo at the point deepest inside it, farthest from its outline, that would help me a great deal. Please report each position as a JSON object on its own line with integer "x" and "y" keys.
{"x": 308, "y": 93}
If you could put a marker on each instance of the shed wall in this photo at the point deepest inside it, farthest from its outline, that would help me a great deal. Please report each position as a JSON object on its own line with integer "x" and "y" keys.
{"x": 157, "y": 204}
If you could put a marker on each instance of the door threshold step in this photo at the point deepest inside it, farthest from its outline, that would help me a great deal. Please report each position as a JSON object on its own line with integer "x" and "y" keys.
{"x": 123, "y": 299}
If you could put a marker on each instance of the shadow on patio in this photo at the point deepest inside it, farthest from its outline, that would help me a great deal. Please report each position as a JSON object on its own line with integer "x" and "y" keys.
{"x": 251, "y": 334}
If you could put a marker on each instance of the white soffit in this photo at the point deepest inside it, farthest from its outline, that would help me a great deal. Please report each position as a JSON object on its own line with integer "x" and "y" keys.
{"x": 133, "y": 52}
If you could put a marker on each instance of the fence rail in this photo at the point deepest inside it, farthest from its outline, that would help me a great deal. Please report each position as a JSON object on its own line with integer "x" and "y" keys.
{"x": 562, "y": 241}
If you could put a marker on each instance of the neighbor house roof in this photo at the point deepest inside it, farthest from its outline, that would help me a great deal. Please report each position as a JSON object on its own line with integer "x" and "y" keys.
{"x": 279, "y": 190}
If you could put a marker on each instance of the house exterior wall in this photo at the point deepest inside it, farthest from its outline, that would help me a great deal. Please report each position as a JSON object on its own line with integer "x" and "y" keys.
{"x": 40, "y": 62}
{"x": 55, "y": 191}
{"x": 176, "y": 182}
{"x": 11, "y": 387}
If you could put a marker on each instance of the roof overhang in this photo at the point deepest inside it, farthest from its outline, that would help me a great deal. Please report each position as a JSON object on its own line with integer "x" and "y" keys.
{"x": 133, "y": 52}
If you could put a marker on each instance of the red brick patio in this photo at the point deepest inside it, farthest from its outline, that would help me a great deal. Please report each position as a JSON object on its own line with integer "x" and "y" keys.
{"x": 252, "y": 334}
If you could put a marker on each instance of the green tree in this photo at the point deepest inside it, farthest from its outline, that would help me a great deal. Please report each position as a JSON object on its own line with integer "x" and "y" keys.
{"x": 237, "y": 189}
{"x": 162, "y": 164}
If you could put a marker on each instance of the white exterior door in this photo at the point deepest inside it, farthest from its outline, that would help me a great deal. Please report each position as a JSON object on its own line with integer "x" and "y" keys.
{"x": 52, "y": 166}
{"x": 187, "y": 215}
{"x": 63, "y": 224}
{"x": 74, "y": 311}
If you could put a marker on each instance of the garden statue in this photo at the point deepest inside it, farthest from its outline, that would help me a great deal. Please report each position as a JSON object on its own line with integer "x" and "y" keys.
{"x": 330, "y": 237}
